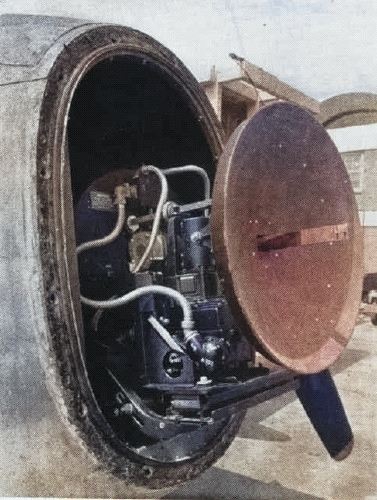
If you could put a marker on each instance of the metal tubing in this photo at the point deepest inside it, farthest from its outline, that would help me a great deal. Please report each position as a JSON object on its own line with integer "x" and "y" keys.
{"x": 187, "y": 323}
{"x": 160, "y": 206}
{"x": 196, "y": 169}
{"x": 110, "y": 237}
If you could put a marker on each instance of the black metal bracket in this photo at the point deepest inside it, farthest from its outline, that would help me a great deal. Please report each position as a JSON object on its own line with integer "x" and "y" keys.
{"x": 152, "y": 424}
{"x": 211, "y": 402}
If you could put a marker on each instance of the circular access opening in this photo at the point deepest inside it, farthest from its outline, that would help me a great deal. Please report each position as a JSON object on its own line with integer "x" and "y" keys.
{"x": 115, "y": 99}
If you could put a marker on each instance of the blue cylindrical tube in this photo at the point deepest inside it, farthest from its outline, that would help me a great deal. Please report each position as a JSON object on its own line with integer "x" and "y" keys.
{"x": 321, "y": 401}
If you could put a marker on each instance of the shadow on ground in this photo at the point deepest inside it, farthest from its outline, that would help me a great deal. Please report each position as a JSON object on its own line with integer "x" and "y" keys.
{"x": 251, "y": 427}
{"x": 221, "y": 484}
{"x": 348, "y": 358}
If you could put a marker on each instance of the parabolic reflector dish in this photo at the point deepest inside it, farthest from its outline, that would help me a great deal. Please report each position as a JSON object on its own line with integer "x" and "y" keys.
{"x": 287, "y": 238}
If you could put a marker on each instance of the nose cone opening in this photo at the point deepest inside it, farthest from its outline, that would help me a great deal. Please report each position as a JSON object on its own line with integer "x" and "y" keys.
{"x": 127, "y": 112}
{"x": 115, "y": 100}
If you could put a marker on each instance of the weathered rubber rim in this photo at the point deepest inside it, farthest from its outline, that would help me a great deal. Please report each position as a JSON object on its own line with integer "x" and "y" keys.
{"x": 57, "y": 247}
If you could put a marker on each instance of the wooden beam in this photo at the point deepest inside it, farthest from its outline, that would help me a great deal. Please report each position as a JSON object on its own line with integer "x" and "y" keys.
{"x": 270, "y": 83}
{"x": 242, "y": 88}
{"x": 213, "y": 90}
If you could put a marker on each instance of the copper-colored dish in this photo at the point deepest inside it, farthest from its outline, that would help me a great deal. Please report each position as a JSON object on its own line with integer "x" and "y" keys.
{"x": 287, "y": 238}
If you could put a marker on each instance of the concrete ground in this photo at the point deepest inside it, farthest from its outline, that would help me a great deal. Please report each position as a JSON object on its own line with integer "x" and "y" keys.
{"x": 278, "y": 455}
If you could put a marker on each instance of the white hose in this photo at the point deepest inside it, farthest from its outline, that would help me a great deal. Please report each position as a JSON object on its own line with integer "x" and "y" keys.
{"x": 110, "y": 237}
{"x": 196, "y": 169}
{"x": 158, "y": 214}
{"x": 187, "y": 323}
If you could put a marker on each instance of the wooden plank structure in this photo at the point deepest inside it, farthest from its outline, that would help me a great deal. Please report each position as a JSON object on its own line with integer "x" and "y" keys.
{"x": 239, "y": 96}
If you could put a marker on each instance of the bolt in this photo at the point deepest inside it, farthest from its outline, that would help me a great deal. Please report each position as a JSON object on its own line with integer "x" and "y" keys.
{"x": 126, "y": 409}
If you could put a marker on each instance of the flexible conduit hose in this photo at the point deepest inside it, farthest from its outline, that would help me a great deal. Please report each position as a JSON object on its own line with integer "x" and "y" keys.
{"x": 110, "y": 237}
{"x": 187, "y": 323}
{"x": 158, "y": 214}
{"x": 122, "y": 217}
{"x": 196, "y": 169}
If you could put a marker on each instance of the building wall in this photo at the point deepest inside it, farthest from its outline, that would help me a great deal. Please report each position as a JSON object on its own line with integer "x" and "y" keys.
{"x": 351, "y": 120}
{"x": 367, "y": 198}
{"x": 367, "y": 203}
{"x": 370, "y": 250}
